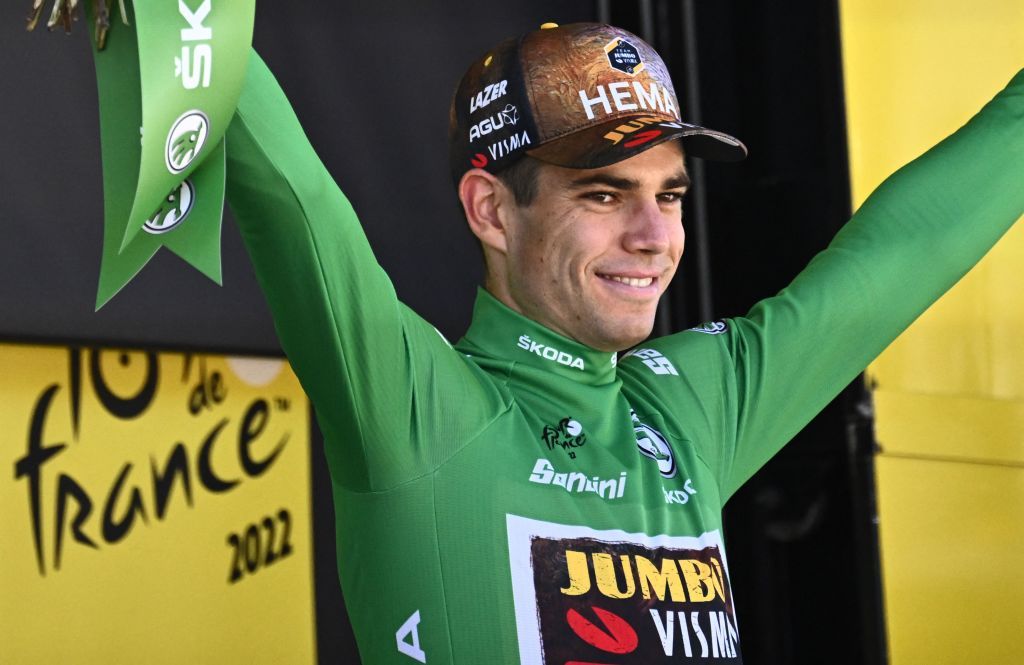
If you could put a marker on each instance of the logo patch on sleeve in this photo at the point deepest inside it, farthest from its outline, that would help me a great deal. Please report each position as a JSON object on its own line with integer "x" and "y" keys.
{"x": 711, "y": 328}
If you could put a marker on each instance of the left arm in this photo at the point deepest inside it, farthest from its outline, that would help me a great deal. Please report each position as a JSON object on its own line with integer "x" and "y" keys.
{"x": 912, "y": 240}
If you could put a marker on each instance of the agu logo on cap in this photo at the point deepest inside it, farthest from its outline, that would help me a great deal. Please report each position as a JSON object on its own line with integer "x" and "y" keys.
{"x": 506, "y": 117}
{"x": 174, "y": 210}
{"x": 185, "y": 140}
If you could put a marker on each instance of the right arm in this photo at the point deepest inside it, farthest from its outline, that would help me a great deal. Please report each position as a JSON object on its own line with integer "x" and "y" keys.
{"x": 385, "y": 384}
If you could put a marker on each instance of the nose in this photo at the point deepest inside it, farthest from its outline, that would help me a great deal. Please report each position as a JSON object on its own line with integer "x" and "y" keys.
{"x": 650, "y": 229}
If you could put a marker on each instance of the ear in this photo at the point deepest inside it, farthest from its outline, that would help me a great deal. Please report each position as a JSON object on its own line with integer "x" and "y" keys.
{"x": 486, "y": 203}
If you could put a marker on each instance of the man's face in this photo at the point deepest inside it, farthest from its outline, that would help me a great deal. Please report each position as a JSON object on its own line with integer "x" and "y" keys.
{"x": 591, "y": 255}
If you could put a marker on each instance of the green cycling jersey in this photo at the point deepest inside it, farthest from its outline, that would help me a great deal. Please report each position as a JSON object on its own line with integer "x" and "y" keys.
{"x": 520, "y": 497}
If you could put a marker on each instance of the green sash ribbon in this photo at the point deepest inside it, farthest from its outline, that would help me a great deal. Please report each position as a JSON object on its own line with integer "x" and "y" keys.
{"x": 168, "y": 87}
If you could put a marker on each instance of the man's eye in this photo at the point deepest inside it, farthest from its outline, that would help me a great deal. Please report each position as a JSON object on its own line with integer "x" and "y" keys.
{"x": 670, "y": 197}
{"x": 600, "y": 197}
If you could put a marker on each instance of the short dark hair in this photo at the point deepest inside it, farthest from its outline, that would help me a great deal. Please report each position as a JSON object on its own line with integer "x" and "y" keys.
{"x": 521, "y": 177}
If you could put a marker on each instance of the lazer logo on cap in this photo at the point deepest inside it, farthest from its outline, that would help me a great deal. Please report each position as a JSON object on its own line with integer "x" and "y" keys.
{"x": 623, "y": 56}
{"x": 487, "y": 95}
{"x": 505, "y": 117}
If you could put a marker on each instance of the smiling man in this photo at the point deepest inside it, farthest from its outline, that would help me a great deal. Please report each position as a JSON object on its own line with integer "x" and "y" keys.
{"x": 591, "y": 255}
{"x": 524, "y": 497}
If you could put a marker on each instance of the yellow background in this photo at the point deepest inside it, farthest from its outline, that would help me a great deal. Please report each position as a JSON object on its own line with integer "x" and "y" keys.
{"x": 160, "y": 595}
{"x": 950, "y": 391}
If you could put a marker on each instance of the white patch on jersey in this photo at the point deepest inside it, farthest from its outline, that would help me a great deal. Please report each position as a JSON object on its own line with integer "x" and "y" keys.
{"x": 410, "y": 629}
{"x": 576, "y": 482}
{"x": 550, "y": 353}
{"x": 654, "y": 360}
{"x": 714, "y": 634}
{"x": 680, "y": 496}
{"x": 711, "y": 328}
{"x": 653, "y": 444}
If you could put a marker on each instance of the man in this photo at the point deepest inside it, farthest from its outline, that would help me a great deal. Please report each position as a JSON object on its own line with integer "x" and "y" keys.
{"x": 524, "y": 497}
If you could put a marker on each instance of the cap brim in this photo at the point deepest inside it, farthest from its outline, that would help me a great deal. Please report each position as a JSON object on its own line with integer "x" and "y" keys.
{"x": 605, "y": 144}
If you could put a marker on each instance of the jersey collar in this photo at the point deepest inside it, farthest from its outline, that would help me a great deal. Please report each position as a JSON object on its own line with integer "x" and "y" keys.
{"x": 507, "y": 335}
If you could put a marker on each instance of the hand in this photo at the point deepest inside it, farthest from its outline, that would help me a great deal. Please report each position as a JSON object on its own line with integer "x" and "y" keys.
{"x": 64, "y": 13}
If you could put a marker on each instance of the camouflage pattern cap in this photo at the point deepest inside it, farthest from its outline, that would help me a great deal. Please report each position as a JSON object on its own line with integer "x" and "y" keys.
{"x": 582, "y": 95}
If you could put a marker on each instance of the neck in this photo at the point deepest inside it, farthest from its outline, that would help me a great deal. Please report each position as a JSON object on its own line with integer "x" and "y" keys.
{"x": 499, "y": 331}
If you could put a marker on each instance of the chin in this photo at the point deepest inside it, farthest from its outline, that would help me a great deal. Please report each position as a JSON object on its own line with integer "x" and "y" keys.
{"x": 625, "y": 337}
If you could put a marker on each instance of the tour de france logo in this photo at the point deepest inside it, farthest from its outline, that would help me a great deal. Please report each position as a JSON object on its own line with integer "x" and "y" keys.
{"x": 175, "y": 209}
{"x": 185, "y": 140}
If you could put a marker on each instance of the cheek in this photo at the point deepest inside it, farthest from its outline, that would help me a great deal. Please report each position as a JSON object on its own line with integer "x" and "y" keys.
{"x": 676, "y": 237}
{"x": 677, "y": 242}
{"x": 569, "y": 255}
{"x": 533, "y": 265}
{"x": 553, "y": 250}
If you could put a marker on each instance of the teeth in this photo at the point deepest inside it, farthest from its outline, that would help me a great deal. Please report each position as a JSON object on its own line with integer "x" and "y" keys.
{"x": 632, "y": 281}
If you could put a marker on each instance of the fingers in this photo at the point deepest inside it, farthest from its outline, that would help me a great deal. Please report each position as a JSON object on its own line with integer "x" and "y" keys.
{"x": 64, "y": 13}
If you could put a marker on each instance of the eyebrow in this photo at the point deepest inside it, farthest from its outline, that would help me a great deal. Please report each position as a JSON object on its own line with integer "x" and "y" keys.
{"x": 678, "y": 180}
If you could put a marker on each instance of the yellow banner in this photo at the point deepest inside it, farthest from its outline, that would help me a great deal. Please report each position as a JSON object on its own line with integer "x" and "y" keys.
{"x": 949, "y": 392}
{"x": 154, "y": 508}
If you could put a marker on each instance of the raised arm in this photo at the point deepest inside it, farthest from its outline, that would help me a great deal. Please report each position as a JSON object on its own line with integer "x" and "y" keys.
{"x": 372, "y": 368}
{"x": 913, "y": 239}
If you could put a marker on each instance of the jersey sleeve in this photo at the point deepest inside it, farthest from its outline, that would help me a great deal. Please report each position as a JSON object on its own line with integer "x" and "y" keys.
{"x": 392, "y": 397}
{"x": 912, "y": 240}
